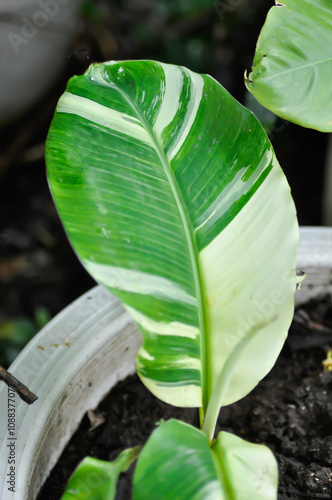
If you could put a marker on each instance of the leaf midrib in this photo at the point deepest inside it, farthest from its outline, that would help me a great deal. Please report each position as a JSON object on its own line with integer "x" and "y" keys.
{"x": 298, "y": 68}
{"x": 189, "y": 237}
{"x": 223, "y": 471}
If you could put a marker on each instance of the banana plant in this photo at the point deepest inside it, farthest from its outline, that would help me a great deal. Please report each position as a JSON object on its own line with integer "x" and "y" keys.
{"x": 292, "y": 68}
{"x": 171, "y": 195}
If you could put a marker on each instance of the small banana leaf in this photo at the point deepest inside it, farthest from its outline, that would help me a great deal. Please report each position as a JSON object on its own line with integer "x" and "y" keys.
{"x": 177, "y": 463}
{"x": 97, "y": 479}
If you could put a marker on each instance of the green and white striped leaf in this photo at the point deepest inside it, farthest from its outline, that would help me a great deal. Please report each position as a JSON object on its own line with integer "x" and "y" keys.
{"x": 292, "y": 68}
{"x": 177, "y": 463}
{"x": 172, "y": 197}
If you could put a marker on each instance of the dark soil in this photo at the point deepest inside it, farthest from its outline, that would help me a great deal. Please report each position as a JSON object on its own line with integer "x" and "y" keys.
{"x": 290, "y": 411}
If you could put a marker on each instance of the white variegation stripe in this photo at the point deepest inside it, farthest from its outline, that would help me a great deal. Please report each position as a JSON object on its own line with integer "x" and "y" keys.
{"x": 187, "y": 363}
{"x": 183, "y": 362}
{"x": 139, "y": 282}
{"x": 210, "y": 491}
{"x": 183, "y": 395}
{"x": 174, "y": 328}
{"x": 146, "y": 355}
{"x": 196, "y": 92}
{"x": 171, "y": 98}
{"x": 102, "y": 115}
{"x": 231, "y": 193}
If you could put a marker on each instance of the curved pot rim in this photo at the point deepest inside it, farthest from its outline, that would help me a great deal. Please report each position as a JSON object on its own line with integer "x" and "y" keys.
{"x": 71, "y": 364}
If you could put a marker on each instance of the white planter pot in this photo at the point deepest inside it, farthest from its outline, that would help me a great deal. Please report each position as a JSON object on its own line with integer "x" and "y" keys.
{"x": 80, "y": 355}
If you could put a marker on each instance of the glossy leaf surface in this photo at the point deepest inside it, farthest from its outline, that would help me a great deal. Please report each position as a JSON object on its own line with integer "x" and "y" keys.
{"x": 172, "y": 197}
{"x": 97, "y": 479}
{"x": 292, "y": 67}
{"x": 177, "y": 464}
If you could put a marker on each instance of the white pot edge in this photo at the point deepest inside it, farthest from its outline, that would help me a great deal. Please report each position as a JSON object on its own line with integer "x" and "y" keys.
{"x": 71, "y": 364}
{"x": 79, "y": 356}
{"x": 314, "y": 256}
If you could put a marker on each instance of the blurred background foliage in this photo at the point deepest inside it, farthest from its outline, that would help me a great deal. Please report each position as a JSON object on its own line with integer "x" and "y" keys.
{"x": 39, "y": 273}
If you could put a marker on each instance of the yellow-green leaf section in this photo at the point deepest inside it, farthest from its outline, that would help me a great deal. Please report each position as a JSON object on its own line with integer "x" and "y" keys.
{"x": 172, "y": 197}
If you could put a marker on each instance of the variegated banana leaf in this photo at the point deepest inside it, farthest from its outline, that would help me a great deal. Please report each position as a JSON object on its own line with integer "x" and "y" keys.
{"x": 177, "y": 463}
{"x": 172, "y": 197}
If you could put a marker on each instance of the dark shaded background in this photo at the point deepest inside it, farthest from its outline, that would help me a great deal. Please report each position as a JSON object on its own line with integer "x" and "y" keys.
{"x": 39, "y": 273}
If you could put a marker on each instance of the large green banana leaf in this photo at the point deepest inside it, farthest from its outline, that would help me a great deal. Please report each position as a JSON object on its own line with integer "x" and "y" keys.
{"x": 178, "y": 464}
{"x": 172, "y": 197}
{"x": 292, "y": 68}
